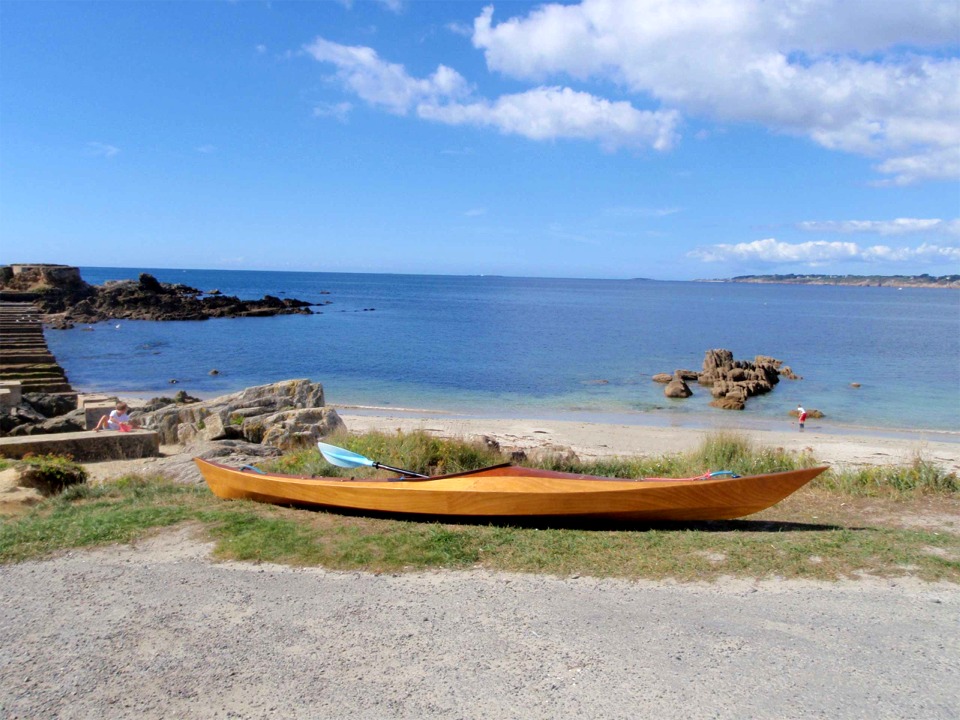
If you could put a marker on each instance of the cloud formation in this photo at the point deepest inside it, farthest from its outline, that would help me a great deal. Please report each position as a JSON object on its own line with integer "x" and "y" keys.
{"x": 857, "y": 76}
{"x": 774, "y": 252}
{"x": 542, "y": 113}
{"x": 851, "y": 75}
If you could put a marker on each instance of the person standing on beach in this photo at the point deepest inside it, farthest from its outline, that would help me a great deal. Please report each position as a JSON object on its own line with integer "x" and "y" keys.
{"x": 801, "y": 416}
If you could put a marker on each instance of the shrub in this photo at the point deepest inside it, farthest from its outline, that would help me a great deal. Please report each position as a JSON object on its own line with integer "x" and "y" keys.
{"x": 50, "y": 474}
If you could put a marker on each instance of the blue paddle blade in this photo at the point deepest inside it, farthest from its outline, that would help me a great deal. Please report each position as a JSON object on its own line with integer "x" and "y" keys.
{"x": 344, "y": 458}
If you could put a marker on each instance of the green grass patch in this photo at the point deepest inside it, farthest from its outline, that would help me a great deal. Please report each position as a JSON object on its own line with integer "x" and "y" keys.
{"x": 832, "y": 531}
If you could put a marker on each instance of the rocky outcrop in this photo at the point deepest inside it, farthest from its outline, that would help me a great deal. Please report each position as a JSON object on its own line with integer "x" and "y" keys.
{"x": 731, "y": 382}
{"x": 39, "y": 278}
{"x": 65, "y": 299}
{"x": 41, "y": 414}
{"x": 286, "y": 415}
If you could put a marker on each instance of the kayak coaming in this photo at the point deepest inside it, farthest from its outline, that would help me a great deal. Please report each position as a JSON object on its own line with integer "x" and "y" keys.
{"x": 505, "y": 492}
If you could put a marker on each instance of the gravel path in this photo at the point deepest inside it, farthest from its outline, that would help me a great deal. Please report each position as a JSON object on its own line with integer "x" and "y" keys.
{"x": 159, "y": 631}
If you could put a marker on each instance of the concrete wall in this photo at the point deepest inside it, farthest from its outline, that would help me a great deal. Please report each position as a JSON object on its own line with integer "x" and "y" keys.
{"x": 85, "y": 446}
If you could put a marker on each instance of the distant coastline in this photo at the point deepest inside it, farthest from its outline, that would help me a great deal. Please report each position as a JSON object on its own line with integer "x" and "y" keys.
{"x": 899, "y": 281}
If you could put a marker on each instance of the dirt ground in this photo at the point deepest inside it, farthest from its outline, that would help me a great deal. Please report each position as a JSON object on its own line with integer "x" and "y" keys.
{"x": 157, "y": 630}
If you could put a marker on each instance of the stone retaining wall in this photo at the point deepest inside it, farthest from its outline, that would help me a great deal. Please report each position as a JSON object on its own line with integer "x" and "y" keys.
{"x": 85, "y": 446}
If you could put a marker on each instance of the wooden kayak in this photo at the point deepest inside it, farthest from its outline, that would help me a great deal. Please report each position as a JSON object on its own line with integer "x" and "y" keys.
{"x": 517, "y": 492}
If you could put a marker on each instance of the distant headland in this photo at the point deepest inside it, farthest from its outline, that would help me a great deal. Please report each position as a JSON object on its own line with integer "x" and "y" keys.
{"x": 898, "y": 281}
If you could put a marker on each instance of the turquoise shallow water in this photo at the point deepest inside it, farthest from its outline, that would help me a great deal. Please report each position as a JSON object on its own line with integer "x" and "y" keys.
{"x": 536, "y": 347}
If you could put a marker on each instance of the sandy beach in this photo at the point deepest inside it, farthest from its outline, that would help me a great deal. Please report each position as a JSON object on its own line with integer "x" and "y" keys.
{"x": 593, "y": 440}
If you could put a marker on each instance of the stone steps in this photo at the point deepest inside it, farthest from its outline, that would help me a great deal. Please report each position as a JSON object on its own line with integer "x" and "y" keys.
{"x": 24, "y": 355}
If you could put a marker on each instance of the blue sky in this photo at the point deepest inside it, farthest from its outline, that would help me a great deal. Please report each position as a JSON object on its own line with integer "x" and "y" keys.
{"x": 670, "y": 139}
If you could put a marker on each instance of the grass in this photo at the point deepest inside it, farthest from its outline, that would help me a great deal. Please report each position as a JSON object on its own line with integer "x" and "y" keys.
{"x": 920, "y": 477}
{"x": 847, "y": 525}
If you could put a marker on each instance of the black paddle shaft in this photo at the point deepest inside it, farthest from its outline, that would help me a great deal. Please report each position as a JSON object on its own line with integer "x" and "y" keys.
{"x": 380, "y": 466}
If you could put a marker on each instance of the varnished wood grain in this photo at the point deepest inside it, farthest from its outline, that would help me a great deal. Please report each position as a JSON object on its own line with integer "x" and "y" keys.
{"x": 518, "y": 492}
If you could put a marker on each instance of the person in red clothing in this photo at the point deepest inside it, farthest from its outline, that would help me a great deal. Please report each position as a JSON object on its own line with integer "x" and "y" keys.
{"x": 801, "y": 416}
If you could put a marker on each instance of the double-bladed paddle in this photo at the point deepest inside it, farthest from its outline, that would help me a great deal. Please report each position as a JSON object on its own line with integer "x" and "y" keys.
{"x": 346, "y": 459}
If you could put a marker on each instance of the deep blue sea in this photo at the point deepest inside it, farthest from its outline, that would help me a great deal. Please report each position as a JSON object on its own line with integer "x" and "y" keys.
{"x": 544, "y": 348}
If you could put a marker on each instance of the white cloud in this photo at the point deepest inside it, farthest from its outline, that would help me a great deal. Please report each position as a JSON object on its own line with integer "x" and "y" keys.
{"x": 476, "y": 212}
{"x": 774, "y": 252}
{"x": 100, "y": 149}
{"x": 898, "y": 226}
{"x": 852, "y": 75}
{"x": 340, "y": 111}
{"x": 942, "y": 164}
{"x": 387, "y": 84}
{"x": 206, "y": 149}
{"x": 551, "y": 113}
{"x": 544, "y": 113}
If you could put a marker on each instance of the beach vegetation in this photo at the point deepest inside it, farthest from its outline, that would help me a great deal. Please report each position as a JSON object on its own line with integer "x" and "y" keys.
{"x": 719, "y": 451}
{"x": 417, "y": 452}
{"x": 921, "y": 476}
{"x": 50, "y": 474}
{"x": 879, "y": 523}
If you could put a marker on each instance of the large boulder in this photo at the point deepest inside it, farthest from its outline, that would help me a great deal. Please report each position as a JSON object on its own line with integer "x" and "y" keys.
{"x": 677, "y": 388}
{"x": 51, "y": 404}
{"x": 728, "y": 403}
{"x": 285, "y": 415}
{"x": 71, "y": 422}
{"x": 298, "y": 429}
{"x": 41, "y": 413}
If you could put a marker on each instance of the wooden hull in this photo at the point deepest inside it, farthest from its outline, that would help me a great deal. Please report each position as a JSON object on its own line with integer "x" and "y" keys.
{"x": 515, "y": 492}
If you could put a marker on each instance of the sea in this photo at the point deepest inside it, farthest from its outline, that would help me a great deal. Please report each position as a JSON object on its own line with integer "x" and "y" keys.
{"x": 870, "y": 358}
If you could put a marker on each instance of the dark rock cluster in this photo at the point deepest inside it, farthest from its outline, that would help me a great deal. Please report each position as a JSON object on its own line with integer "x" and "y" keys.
{"x": 149, "y": 299}
{"x": 731, "y": 382}
{"x": 41, "y": 414}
